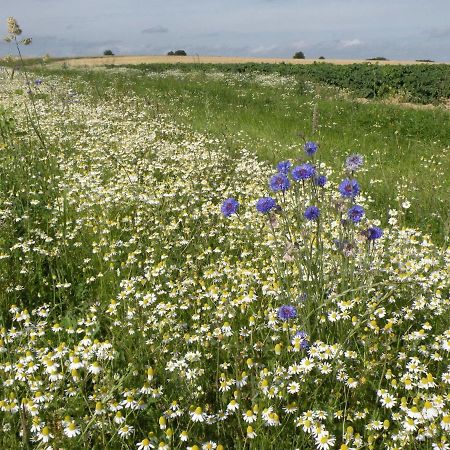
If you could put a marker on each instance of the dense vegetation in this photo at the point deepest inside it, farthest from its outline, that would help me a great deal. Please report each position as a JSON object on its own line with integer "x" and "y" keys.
{"x": 420, "y": 83}
{"x": 139, "y": 310}
{"x": 408, "y": 148}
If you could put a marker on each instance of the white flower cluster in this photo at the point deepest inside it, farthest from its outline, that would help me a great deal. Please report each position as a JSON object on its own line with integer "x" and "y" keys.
{"x": 138, "y": 316}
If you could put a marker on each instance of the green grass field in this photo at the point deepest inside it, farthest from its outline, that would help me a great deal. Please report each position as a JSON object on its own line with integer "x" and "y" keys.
{"x": 406, "y": 148}
{"x": 163, "y": 284}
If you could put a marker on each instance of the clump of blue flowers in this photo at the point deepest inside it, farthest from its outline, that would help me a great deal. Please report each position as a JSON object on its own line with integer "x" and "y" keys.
{"x": 312, "y": 213}
{"x": 279, "y": 182}
{"x": 303, "y": 172}
{"x": 229, "y": 207}
{"x": 355, "y": 213}
{"x": 303, "y": 244}
{"x": 287, "y": 312}
{"x": 349, "y": 188}
{"x": 373, "y": 233}
{"x": 284, "y": 167}
{"x": 265, "y": 204}
{"x": 320, "y": 180}
{"x": 310, "y": 148}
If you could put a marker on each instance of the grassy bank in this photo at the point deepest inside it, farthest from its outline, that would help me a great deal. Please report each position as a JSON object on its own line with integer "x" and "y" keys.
{"x": 417, "y": 83}
{"x": 153, "y": 295}
{"x": 406, "y": 149}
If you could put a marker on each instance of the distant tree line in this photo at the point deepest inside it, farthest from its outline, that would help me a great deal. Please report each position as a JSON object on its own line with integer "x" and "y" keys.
{"x": 177, "y": 53}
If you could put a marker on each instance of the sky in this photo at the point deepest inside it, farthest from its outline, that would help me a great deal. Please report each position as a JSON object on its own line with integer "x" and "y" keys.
{"x": 343, "y": 29}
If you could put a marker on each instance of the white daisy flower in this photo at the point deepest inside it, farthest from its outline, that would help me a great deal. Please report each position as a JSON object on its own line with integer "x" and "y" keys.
{"x": 324, "y": 440}
{"x": 145, "y": 444}
{"x": 71, "y": 430}
{"x": 197, "y": 415}
{"x": 249, "y": 416}
{"x": 125, "y": 431}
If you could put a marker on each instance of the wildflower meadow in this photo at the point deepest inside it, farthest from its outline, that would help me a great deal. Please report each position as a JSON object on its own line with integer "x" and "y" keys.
{"x": 160, "y": 289}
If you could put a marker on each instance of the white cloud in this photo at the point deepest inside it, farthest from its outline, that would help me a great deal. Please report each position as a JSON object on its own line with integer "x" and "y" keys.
{"x": 264, "y": 49}
{"x": 350, "y": 43}
{"x": 156, "y": 29}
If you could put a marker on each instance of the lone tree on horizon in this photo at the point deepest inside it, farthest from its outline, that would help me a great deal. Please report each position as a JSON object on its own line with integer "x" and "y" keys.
{"x": 299, "y": 55}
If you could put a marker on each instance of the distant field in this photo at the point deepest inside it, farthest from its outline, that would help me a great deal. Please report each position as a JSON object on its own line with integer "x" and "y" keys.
{"x": 103, "y": 60}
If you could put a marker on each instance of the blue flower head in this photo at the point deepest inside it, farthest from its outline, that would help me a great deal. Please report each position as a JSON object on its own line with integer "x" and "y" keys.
{"x": 265, "y": 204}
{"x": 284, "y": 166}
{"x": 279, "y": 182}
{"x": 373, "y": 233}
{"x": 355, "y": 213}
{"x": 303, "y": 172}
{"x": 349, "y": 188}
{"x": 354, "y": 162}
{"x": 310, "y": 148}
{"x": 320, "y": 180}
{"x": 229, "y": 207}
{"x": 287, "y": 312}
{"x": 312, "y": 213}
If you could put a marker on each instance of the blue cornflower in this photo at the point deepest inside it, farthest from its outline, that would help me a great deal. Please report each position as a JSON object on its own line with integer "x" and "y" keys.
{"x": 38, "y": 82}
{"x": 355, "y": 213}
{"x": 287, "y": 312}
{"x": 303, "y": 172}
{"x": 354, "y": 162}
{"x": 310, "y": 148}
{"x": 349, "y": 188}
{"x": 265, "y": 204}
{"x": 304, "y": 344}
{"x": 301, "y": 335}
{"x": 312, "y": 213}
{"x": 284, "y": 166}
{"x": 229, "y": 207}
{"x": 373, "y": 233}
{"x": 279, "y": 182}
{"x": 320, "y": 180}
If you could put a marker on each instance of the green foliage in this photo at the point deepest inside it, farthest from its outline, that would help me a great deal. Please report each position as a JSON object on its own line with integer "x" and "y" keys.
{"x": 422, "y": 83}
{"x": 6, "y": 125}
{"x": 132, "y": 291}
{"x": 404, "y": 145}
{"x": 177, "y": 53}
{"x": 108, "y": 53}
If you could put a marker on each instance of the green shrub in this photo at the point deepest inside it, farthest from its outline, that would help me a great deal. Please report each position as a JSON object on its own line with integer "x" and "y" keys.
{"x": 299, "y": 55}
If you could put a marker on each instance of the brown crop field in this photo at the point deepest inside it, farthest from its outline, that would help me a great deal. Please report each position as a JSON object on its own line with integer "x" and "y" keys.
{"x": 155, "y": 59}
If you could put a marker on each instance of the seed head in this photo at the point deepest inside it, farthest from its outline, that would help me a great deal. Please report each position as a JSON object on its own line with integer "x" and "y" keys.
{"x": 13, "y": 27}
